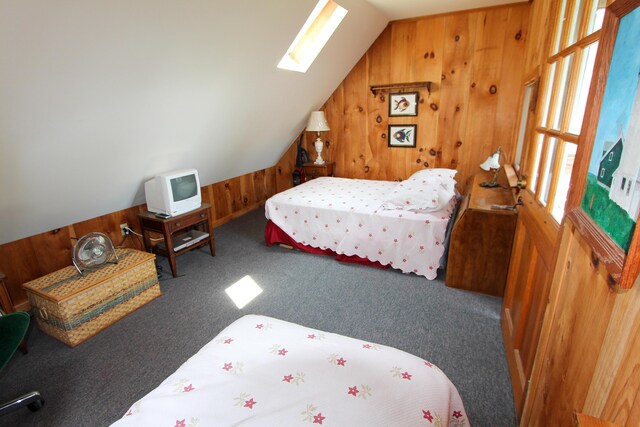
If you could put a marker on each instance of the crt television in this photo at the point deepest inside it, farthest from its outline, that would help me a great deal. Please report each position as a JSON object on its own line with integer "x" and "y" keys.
{"x": 173, "y": 193}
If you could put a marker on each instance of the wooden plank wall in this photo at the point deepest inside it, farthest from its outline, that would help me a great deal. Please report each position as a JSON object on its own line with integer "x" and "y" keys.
{"x": 589, "y": 353}
{"x": 476, "y": 61}
{"x": 26, "y": 259}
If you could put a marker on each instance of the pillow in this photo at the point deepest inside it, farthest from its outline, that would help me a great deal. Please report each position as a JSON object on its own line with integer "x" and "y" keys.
{"x": 436, "y": 175}
{"x": 412, "y": 196}
{"x": 428, "y": 190}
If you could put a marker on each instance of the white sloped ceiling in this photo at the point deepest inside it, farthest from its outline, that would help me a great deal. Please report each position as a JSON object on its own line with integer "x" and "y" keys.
{"x": 97, "y": 96}
{"x": 400, "y": 9}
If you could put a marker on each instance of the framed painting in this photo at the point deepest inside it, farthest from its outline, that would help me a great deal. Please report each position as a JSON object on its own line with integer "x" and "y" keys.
{"x": 610, "y": 139}
{"x": 403, "y": 104}
{"x": 402, "y": 136}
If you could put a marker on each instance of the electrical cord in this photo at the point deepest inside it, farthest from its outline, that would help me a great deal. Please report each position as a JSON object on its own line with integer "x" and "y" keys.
{"x": 158, "y": 239}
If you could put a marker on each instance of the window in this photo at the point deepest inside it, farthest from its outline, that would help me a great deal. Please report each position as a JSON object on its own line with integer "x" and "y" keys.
{"x": 313, "y": 35}
{"x": 526, "y": 119}
{"x": 565, "y": 82}
{"x": 610, "y": 156}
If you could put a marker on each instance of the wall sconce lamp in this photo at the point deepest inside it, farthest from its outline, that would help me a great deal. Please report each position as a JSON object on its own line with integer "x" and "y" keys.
{"x": 318, "y": 123}
{"x": 492, "y": 163}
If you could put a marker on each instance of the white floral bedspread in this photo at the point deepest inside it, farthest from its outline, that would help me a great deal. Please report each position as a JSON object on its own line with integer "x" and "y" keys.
{"x": 345, "y": 215}
{"x": 261, "y": 371}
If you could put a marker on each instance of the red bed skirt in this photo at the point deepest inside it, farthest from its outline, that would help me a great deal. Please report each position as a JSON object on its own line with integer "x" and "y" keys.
{"x": 274, "y": 234}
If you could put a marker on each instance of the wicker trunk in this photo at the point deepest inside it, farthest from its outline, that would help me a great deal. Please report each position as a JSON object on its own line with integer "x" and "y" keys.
{"x": 72, "y": 308}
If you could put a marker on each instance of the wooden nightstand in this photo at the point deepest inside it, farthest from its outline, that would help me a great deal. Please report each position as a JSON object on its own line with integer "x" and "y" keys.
{"x": 311, "y": 170}
{"x": 170, "y": 228}
{"x": 481, "y": 240}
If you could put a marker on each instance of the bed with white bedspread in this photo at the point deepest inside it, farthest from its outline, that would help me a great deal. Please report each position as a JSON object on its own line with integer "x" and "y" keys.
{"x": 402, "y": 225}
{"x": 261, "y": 371}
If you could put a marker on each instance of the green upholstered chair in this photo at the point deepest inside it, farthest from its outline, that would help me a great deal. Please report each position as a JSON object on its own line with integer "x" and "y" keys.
{"x": 13, "y": 328}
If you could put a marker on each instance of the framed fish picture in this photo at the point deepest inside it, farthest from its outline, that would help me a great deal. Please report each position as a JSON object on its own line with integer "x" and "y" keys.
{"x": 403, "y": 104}
{"x": 402, "y": 136}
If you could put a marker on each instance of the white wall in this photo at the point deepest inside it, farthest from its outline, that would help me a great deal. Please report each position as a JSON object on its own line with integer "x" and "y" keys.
{"x": 98, "y": 95}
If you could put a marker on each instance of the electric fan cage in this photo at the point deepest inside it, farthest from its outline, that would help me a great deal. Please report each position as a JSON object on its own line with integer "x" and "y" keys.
{"x": 92, "y": 251}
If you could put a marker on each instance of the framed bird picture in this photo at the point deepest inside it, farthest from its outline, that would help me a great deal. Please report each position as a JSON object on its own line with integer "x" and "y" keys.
{"x": 403, "y": 104}
{"x": 402, "y": 136}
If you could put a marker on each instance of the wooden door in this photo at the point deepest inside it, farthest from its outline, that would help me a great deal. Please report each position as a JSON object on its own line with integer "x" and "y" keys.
{"x": 527, "y": 292}
{"x": 563, "y": 43}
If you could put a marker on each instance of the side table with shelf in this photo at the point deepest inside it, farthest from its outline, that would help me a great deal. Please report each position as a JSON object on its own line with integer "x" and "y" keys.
{"x": 173, "y": 227}
{"x": 311, "y": 170}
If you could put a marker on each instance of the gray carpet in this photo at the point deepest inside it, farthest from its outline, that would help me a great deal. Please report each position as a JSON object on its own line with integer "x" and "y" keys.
{"x": 95, "y": 383}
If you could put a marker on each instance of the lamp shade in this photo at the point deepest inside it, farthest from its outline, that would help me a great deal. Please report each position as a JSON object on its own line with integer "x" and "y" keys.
{"x": 492, "y": 162}
{"x": 317, "y": 122}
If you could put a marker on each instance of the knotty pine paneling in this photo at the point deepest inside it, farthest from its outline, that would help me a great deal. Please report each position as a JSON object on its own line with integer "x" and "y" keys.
{"x": 589, "y": 348}
{"x": 27, "y": 259}
{"x": 476, "y": 61}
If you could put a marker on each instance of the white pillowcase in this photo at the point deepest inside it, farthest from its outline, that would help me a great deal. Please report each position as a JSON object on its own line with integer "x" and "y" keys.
{"x": 428, "y": 190}
{"x": 440, "y": 174}
{"x": 409, "y": 196}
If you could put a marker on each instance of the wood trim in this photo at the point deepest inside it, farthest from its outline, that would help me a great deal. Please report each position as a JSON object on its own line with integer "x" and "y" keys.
{"x": 580, "y": 44}
{"x": 5, "y": 300}
{"x": 604, "y": 250}
{"x": 569, "y": 137}
{"x": 583, "y": 420}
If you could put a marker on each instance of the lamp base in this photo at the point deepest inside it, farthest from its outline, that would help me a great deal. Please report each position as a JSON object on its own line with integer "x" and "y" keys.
{"x": 489, "y": 184}
{"x": 318, "y": 145}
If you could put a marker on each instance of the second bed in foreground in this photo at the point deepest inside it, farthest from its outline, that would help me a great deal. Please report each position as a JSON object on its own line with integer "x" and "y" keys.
{"x": 262, "y": 371}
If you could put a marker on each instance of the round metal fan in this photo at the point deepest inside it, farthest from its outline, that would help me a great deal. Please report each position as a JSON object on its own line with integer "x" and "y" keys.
{"x": 92, "y": 251}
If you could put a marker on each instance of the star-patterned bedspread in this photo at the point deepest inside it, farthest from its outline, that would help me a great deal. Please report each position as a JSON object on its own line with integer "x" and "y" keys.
{"x": 261, "y": 371}
{"x": 346, "y": 216}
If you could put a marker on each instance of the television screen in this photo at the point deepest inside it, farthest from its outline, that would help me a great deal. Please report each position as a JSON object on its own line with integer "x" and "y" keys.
{"x": 184, "y": 187}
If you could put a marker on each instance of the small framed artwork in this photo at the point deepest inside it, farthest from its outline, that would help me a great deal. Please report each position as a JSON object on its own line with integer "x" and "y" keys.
{"x": 402, "y": 135}
{"x": 403, "y": 104}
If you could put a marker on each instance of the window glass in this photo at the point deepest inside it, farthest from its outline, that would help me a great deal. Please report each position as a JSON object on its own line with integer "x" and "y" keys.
{"x": 536, "y": 150}
{"x": 526, "y": 101}
{"x": 547, "y": 170}
{"x": 563, "y": 91}
{"x": 547, "y": 95}
{"x": 565, "y": 84}
{"x": 578, "y": 8}
{"x": 559, "y": 27}
{"x": 566, "y": 166}
{"x": 596, "y": 16}
{"x": 580, "y": 99}
{"x": 313, "y": 35}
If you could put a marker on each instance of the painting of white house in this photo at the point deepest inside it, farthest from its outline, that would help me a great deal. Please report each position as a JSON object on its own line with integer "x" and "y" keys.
{"x": 612, "y": 193}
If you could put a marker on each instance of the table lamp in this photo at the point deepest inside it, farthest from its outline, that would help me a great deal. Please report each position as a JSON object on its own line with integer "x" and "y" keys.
{"x": 318, "y": 123}
{"x": 492, "y": 163}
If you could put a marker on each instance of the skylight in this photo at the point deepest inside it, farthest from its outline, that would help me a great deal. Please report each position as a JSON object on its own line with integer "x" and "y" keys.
{"x": 313, "y": 35}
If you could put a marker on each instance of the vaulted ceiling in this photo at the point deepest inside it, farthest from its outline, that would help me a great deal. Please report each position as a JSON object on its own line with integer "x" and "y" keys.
{"x": 400, "y": 9}
{"x": 98, "y": 96}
